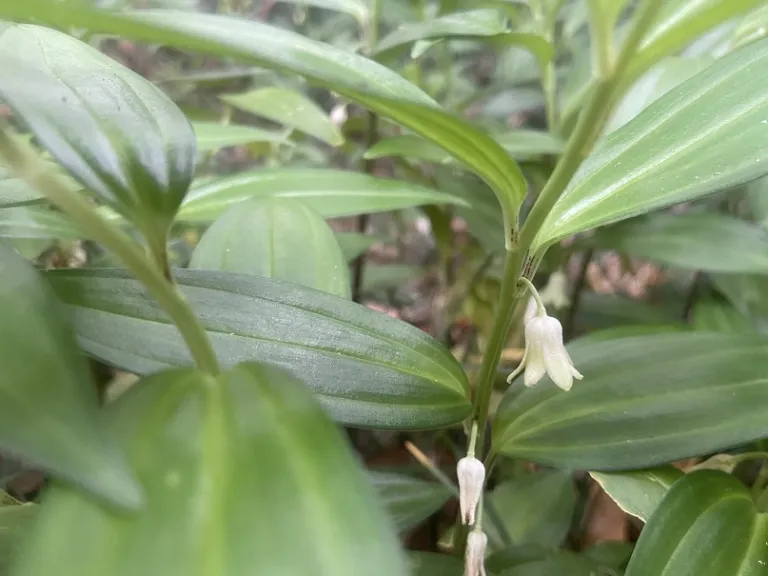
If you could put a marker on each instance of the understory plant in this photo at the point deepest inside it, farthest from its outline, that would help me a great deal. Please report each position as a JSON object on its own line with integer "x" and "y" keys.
{"x": 173, "y": 177}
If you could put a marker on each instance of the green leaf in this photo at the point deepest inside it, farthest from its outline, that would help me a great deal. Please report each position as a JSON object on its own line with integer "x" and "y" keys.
{"x": 715, "y": 315}
{"x": 48, "y": 406}
{"x": 350, "y": 75}
{"x": 353, "y": 244}
{"x": 409, "y": 501}
{"x": 388, "y": 276}
{"x": 638, "y": 492}
{"x": 468, "y": 24}
{"x": 484, "y": 24}
{"x": 276, "y": 238}
{"x": 431, "y": 564}
{"x": 332, "y": 193}
{"x": 118, "y": 134}
{"x": 36, "y": 222}
{"x": 366, "y": 368}
{"x": 632, "y": 330}
{"x": 679, "y": 23}
{"x": 703, "y": 136}
{"x": 519, "y": 143}
{"x": 536, "y": 508}
{"x": 556, "y": 563}
{"x": 694, "y": 240}
{"x": 707, "y": 506}
{"x": 245, "y": 475}
{"x": 212, "y": 135}
{"x": 659, "y": 80}
{"x": 15, "y": 191}
{"x": 289, "y": 108}
{"x": 356, "y": 8}
{"x": 14, "y": 525}
{"x": 644, "y": 401}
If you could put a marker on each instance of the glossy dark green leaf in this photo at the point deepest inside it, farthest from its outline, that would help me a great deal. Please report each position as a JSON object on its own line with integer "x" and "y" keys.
{"x": 536, "y": 508}
{"x": 610, "y": 553}
{"x": 519, "y": 143}
{"x": 638, "y": 492}
{"x": 644, "y": 401}
{"x": 212, "y": 136}
{"x": 289, "y": 108}
{"x": 705, "y": 135}
{"x": 706, "y": 525}
{"x": 244, "y": 475}
{"x": 408, "y": 500}
{"x": 276, "y": 238}
{"x": 36, "y": 222}
{"x": 366, "y": 368}
{"x": 118, "y": 134}
{"x": 697, "y": 241}
{"x": 716, "y": 315}
{"x": 348, "y": 74}
{"x": 678, "y": 23}
{"x": 48, "y": 404}
{"x": 331, "y": 193}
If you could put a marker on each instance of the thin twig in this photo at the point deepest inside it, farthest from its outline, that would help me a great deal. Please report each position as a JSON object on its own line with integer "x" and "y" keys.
{"x": 569, "y": 322}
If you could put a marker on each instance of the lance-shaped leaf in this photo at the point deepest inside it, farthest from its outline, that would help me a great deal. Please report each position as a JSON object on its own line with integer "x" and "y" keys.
{"x": 331, "y": 193}
{"x": 348, "y": 74}
{"x": 117, "y": 133}
{"x": 366, "y": 368}
{"x": 48, "y": 405}
{"x": 244, "y": 475}
{"x": 707, "y": 134}
{"x": 15, "y": 191}
{"x": 36, "y": 222}
{"x": 711, "y": 507}
{"x": 638, "y": 492}
{"x": 697, "y": 241}
{"x": 356, "y": 8}
{"x": 275, "y": 238}
{"x": 483, "y": 24}
{"x": 408, "y": 500}
{"x": 289, "y": 108}
{"x": 679, "y": 23}
{"x": 644, "y": 401}
{"x": 212, "y": 136}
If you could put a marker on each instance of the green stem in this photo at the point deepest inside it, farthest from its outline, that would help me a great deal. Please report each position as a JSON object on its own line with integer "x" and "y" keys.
{"x": 532, "y": 289}
{"x": 28, "y": 166}
{"x": 587, "y": 129}
{"x": 504, "y": 315}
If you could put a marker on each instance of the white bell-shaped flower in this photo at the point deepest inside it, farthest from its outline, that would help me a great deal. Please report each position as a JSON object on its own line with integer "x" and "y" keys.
{"x": 546, "y": 354}
{"x": 471, "y": 474}
{"x": 474, "y": 558}
{"x": 531, "y": 310}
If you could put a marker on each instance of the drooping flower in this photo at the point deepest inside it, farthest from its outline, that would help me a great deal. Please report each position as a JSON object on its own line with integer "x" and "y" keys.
{"x": 471, "y": 474}
{"x": 474, "y": 559}
{"x": 531, "y": 310}
{"x": 546, "y": 354}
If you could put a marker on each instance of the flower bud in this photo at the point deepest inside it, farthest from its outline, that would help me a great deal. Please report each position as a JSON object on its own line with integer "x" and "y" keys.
{"x": 471, "y": 474}
{"x": 545, "y": 353}
{"x": 474, "y": 559}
